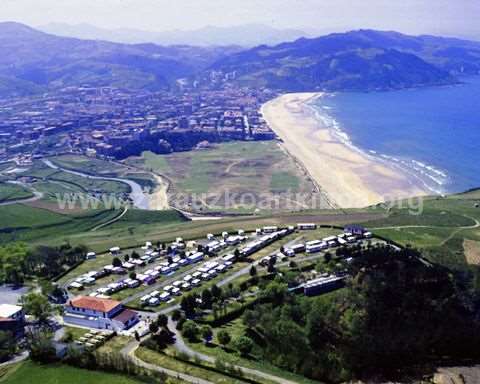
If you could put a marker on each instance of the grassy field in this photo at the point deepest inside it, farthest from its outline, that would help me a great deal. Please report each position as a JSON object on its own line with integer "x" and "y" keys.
{"x": 43, "y": 226}
{"x": 439, "y": 231}
{"x": 228, "y": 355}
{"x": 128, "y": 235}
{"x": 52, "y": 182}
{"x": 258, "y": 169}
{"x": 25, "y": 223}
{"x": 169, "y": 362}
{"x": 103, "y": 168}
{"x": 10, "y": 192}
{"x": 29, "y": 372}
{"x": 89, "y": 165}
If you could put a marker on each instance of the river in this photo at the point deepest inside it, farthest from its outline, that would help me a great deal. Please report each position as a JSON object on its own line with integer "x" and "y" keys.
{"x": 139, "y": 198}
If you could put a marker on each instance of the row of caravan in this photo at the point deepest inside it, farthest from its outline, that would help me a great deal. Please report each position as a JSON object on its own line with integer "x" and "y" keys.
{"x": 207, "y": 271}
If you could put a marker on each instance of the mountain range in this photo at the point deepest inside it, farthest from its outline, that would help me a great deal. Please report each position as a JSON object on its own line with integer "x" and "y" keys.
{"x": 357, "y": 60}
{"x": 247, "y": 35}
{"x": 32, "y": 61}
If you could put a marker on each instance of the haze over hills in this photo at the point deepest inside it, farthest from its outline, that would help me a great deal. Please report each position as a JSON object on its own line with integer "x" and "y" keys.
{"x": 248, "y": 35}
{"x": 33, "y": 61}
{"x": 357, "y": 60}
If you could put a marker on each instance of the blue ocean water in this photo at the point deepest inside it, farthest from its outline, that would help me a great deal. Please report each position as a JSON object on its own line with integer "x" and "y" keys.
{"x": 433, "y": 133}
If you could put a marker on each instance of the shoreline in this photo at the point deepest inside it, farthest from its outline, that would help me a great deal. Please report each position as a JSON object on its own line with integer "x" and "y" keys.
{"x": 347, "y": 175}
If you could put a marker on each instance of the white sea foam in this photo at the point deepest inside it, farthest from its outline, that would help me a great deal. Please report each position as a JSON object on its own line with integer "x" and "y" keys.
{"x": 432, "y": 178}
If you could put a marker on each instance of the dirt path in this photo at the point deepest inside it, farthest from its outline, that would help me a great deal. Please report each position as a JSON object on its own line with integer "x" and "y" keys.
{"x": 449, "y": 237}
{"x": 129, "y": 353}
{"x": 36, "y": 195}
{"x": 158, "y": 199}
{"x": 471, "y": 249}
{"x": 181, "y": 346}
{"x": 115, "y": 219}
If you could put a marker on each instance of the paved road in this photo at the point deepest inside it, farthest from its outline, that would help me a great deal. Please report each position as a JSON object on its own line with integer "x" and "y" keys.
{"x": 226, "y": 280}
{"x": 11, "y": 295}
{"x": 16, "y": 359}
{"x": 184, "y": 348}
{"x": 129, "y": 353}
{"x": 246, "y": 269}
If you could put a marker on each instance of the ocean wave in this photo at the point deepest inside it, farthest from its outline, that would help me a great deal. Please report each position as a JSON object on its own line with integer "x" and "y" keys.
{"x": 430, "y": 177}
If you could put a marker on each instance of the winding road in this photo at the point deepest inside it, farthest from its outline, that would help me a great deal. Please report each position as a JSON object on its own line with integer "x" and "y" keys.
{"x": 129, "y": 353}
{"x": 181, "y": 346}
{"x": 449, "y": 237}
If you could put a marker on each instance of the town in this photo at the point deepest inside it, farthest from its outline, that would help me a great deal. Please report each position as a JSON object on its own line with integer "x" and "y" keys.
{"x": 116, "y": 123}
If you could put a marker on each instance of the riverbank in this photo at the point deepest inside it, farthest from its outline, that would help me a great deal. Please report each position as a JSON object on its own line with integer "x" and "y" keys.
{"x": 348, "y": 176}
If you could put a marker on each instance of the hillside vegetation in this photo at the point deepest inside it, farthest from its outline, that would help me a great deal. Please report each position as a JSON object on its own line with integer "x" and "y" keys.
{"x": 358, "y": 60}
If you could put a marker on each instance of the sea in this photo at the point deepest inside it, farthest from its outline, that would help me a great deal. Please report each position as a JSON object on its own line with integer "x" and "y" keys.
{"x": 431, "y": 133}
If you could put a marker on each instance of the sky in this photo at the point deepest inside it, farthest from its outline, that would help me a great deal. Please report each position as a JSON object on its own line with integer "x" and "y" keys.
{"x": 444, "y": 17}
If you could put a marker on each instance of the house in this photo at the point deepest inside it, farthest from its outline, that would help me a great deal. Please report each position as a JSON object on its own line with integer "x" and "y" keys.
{"x": 12, "y": 319}
{"x": 94, "y": 312}
{"x": 306, "y": 226}
{"x": 354, "y": 229}
{"x": 269, "y": 229}
{"x": 114, "y": 250}
{"x": 323, "y": 285}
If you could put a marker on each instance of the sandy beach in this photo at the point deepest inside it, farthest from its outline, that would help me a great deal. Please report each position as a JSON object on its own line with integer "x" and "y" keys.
{"x": 348, "y": 176}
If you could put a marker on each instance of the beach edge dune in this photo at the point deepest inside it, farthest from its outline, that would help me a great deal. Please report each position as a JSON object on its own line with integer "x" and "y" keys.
{"x": 349, "y": 177}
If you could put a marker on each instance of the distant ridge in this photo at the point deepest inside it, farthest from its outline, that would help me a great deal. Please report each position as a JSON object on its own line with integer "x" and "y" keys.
{"x": 357, "y": 60}
{"x": 248, "y": 35}
{"x": 32, "y": 62}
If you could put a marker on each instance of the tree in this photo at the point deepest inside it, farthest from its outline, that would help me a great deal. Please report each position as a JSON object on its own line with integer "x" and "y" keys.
{"x": 116, "y": 262}
{"x": 162, "y": 321}
{"x": 135, "y": 255}
{"x": 41, "y": 346}
{"x": 327, "y": 257}
{"x": 38, "y": 306}
{"x": 153, "y": 327}
{"x": 207, "y": 333}
{"x": 275, "y": 292}
{"x": 176, "y": 315}
{"x": 126, "y": 257}
{"x": 188, "y": 305}
{"x": 271, "y": 266}
{"x": 190, "y": 330}
{"x": 7, "y": 346}
{"x": 250, "y": 318}
{"x": 253, "y": 271}
{"x": 216, "y": 292}
{"x": 207, "y": 299}
{"x": 244, "y": 345}
{"x": 223, "y": 337}
{"x": 132, "y": 275}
